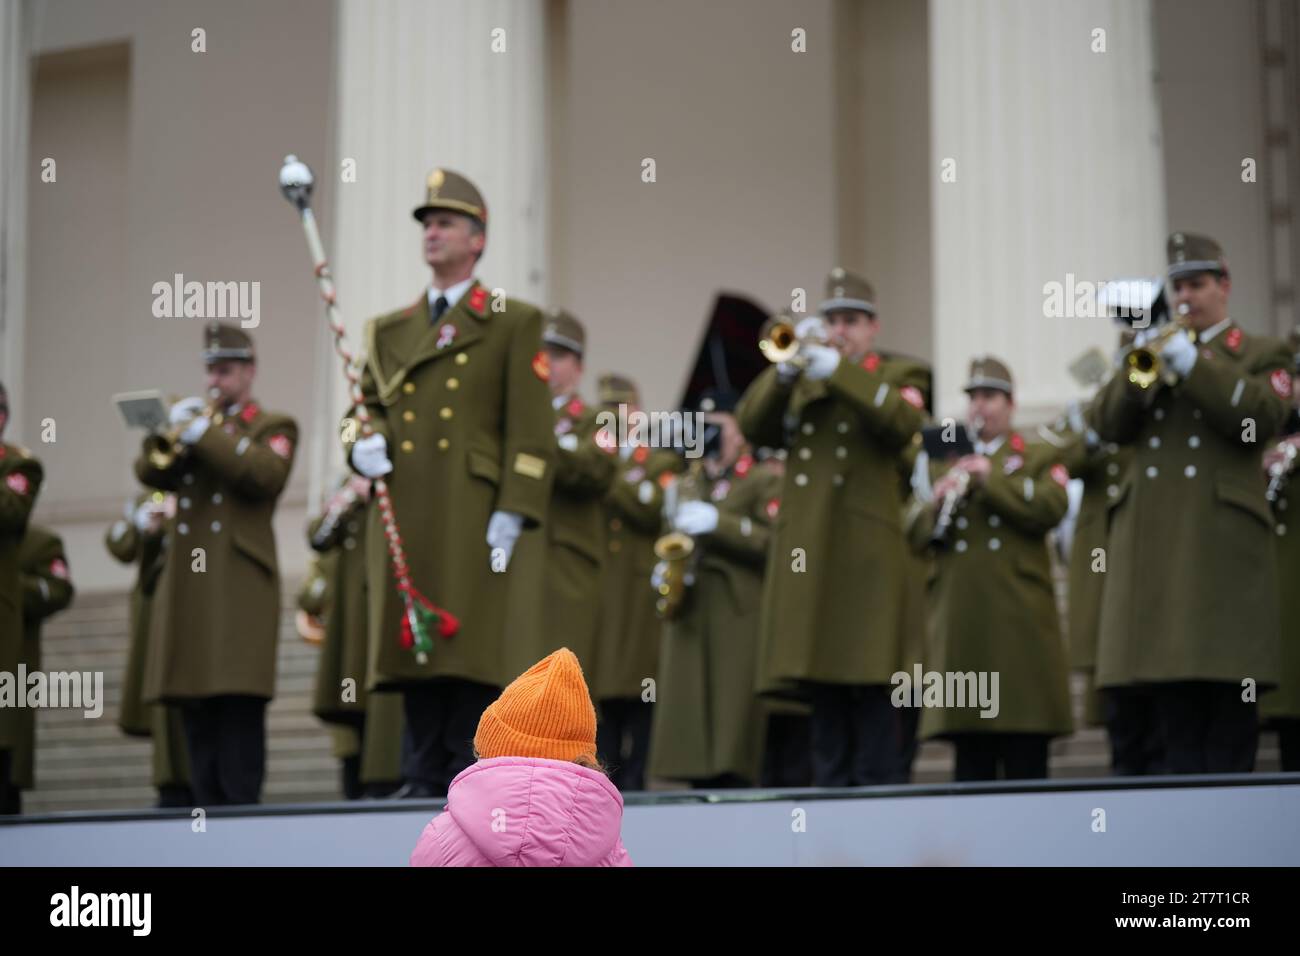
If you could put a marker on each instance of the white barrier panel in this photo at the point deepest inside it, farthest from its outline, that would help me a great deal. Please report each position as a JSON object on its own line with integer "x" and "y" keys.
{"x": 1223, "y": 821}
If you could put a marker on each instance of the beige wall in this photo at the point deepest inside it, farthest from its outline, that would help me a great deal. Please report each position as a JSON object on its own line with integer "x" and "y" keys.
{"x": 202, "y": 136}
{"x": 1211, "y": 97}
{"x": 882, "y": 69}
{"x": 741, "y": 130}
{"x": 1058, "y": 173}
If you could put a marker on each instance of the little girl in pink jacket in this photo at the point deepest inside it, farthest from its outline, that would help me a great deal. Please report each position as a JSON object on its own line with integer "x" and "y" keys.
{"x": 536, "y": 796}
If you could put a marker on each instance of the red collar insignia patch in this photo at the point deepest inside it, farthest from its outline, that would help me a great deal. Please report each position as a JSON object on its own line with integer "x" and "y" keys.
{"x": 640, "y": 454}
{"x": 1233, "y": 339}
{"x": 871, "y": 362}
{"x": 281, "y": 445}
{"x": 574, "y": 407}
{"x": 248, "y": 413}
{"x": 1060, "y": 475}
{"x": 477, "y": 300}
{"x": 773, "y": 507}
{"x": 745, "y": 463}
{"x": 1280, "y": 379}
{"x": 17, "y": 483}
{"x": 542, "y": 366}
{"x": 1017, "y": 443}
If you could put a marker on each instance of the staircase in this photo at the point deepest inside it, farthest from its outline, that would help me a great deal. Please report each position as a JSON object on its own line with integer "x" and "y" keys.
{"x": 84, "y": 764}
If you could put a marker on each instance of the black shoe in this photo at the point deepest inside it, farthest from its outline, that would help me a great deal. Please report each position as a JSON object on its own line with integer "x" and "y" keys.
{"x": 174, "y": 796}
{"x": 414, "y": 791}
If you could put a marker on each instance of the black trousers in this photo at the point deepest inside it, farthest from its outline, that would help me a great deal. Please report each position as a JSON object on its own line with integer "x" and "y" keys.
{"x": 623, "y": 740}
{"x": 10, "y": 796}
{"x": 787, "y": 751}
{"x": 994, "y": 756}
{"x": 909, "y": 721}
{"x": 441, "y": 720}
{"x": 1133, "y": 726}
{"x": 1288, "y": 742}
{"x": 226, "y": 740}
{"x": 1207, "y": 727}
{"x": 855, "y": 735}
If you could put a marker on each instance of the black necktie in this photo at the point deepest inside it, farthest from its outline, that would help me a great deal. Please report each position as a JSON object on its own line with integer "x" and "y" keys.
{"x": 439, "y": 307}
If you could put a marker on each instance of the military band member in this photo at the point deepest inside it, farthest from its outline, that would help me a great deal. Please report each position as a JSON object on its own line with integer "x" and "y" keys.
{"x": 456, "y": 385}
{"x": 216, "y": 611}
{"x": 1280, "y": 708}
{"x": 365, "y": 725}
{"x": 833, "y": 595}
{"x": 627, "y": 652}
{"x": 913, "y": 619}
{"x": 555, "y": 583}
{"x": 339, "y": 697}
{"x": 137, "y": 538}
{"x": 1126, "y": 711}
{"x": 20, "y": 482}
{"x": 1191, "y": 597}
{"x": 47, "y": 589}
{"x": 708, "y": 721}
{"x": 992, "y": 605}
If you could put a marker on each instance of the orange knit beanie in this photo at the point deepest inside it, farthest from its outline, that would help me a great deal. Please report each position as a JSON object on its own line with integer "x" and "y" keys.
{"x": 545, "y": 712}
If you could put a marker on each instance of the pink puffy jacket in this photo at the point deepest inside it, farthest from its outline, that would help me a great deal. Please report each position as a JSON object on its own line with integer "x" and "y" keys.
{"x": 526, "y": 811}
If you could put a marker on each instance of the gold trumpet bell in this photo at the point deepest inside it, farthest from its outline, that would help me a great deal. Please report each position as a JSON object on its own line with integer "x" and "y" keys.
{"x": 673, "y": 551}
{"x": 1143, "y": 363}
{"x": 777, "y": 340}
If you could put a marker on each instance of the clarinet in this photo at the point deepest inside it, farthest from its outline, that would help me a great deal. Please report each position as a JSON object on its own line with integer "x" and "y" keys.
{"x": 948, "y": 507}
{"x": 1280, "y": 471}
{"x": 340, "y": 505}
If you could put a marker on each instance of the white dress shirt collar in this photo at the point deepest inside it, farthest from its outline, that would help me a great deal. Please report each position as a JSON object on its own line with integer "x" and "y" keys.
{"x": 989, "y": 448}
{"x": 1214, "y": 330}
{"x": 452, "y": 294}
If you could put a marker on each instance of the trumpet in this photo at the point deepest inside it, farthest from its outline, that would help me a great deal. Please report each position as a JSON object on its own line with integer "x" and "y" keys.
{"x": 163, "y": 448}
{"x": 779, "y": 342}
{"x": 1143, "y": 362}
{"x": 674, "y": 573}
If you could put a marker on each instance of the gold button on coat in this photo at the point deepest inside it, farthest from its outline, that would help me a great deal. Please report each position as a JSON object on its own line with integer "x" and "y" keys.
{"x": 408, "y": 445}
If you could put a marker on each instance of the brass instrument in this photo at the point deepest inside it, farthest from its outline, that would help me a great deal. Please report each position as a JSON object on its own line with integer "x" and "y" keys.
{"x": 163, "y": 448}
{"x": 674, "y": 573}
{"x": 778, "y": 341}
{"x": 310, "y": 628}
{"x": 1143, "y": 364}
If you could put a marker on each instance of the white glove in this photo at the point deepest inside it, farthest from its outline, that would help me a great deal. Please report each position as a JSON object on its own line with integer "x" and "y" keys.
{"x": 144, "y": 515}
{"x": 695, "y": 517}
{"x": 194, "y": 430}
{"x": 822, "y": 362}
{"x": 811, "y": 328}
{"x": 786, "y": 372}
{"x": 503, "y": 530}
{"x": 184, "y": 410}
{"x": 370, "y": 456}
{"x": 1179, "y": 353}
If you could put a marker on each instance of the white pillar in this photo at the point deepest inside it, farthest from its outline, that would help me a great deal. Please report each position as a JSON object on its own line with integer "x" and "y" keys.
{"x": 15, "y": 103}
{"x": 1057, "y": 155}
{"x": 419, "y": 85}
